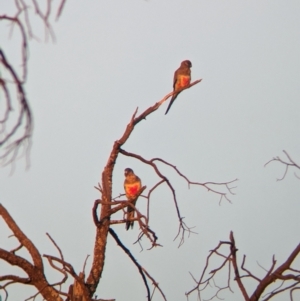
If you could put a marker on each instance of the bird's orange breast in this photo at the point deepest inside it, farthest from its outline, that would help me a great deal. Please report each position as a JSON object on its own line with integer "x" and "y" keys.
{"x": 132, "y": 190}
{"x": 183, "y": 81}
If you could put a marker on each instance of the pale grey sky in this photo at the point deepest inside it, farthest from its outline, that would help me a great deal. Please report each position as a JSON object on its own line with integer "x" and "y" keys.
{"x": 111, "y": 57}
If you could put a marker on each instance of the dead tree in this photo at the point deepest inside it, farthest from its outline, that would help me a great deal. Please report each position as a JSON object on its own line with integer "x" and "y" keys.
{"x": 16, "y": 127}
{"x": 84, "y": 287}
{"x": 277, "y": 279}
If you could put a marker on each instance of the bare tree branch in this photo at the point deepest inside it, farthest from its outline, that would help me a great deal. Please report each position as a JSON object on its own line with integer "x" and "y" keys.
{"x": 16, "y": 121}
{"x": 277, "y": 275}
{"x": 292, "y": 291}
{"x": 182, "y": 225}
{"x": 288, "y": 164}
{"x": 35, "y": 270}
{"x": 142, "y": 270}
{"x": 233, "y": 251}
{"x": 264, "y": 284}
{"x": 56, "y": 245}
{"x": 22, "y": 238}
{"x": 248, "y": 272}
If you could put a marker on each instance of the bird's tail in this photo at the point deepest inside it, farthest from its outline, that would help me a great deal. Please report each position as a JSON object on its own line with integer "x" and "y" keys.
{"x": 171, "y": 102}
{"x": 130, "y": 217}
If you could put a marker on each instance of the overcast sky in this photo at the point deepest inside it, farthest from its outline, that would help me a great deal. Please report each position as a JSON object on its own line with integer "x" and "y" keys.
{"x": 111, "y": 57}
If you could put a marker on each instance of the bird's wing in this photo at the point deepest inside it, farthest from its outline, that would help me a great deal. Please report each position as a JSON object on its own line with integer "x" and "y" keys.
{"x": 175, "y": 78}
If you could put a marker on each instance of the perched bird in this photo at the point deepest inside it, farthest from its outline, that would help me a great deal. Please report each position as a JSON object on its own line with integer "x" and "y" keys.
{"x": 182, "y": 78}
{"x": 132, "y": 186}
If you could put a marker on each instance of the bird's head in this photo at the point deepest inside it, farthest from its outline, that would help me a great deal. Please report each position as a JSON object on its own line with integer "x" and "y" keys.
{"x": 186, "y": 63}
{"x": 128, "y": 171}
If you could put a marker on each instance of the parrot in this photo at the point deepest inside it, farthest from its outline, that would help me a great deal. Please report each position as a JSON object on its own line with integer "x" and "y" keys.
{"x": 132, "y": 186}
{"x": 182, "y": 78}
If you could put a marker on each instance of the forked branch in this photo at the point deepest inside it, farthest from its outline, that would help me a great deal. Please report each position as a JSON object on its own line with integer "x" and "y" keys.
{"x": 287, "y": 277}
{"x": 289, "y": 163}
{"x": 34, "y": 271}
{"x": 16, "y": 123}
{"x": 183, "y": 228}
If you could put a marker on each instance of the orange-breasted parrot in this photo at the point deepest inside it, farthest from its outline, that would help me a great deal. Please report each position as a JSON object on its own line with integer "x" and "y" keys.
{"x": 182, "y": 78}
{"x": 132, "y": 186}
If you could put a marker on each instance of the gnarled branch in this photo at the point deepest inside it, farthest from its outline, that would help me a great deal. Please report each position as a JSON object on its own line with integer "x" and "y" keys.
{"x": 288, "y": 282}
